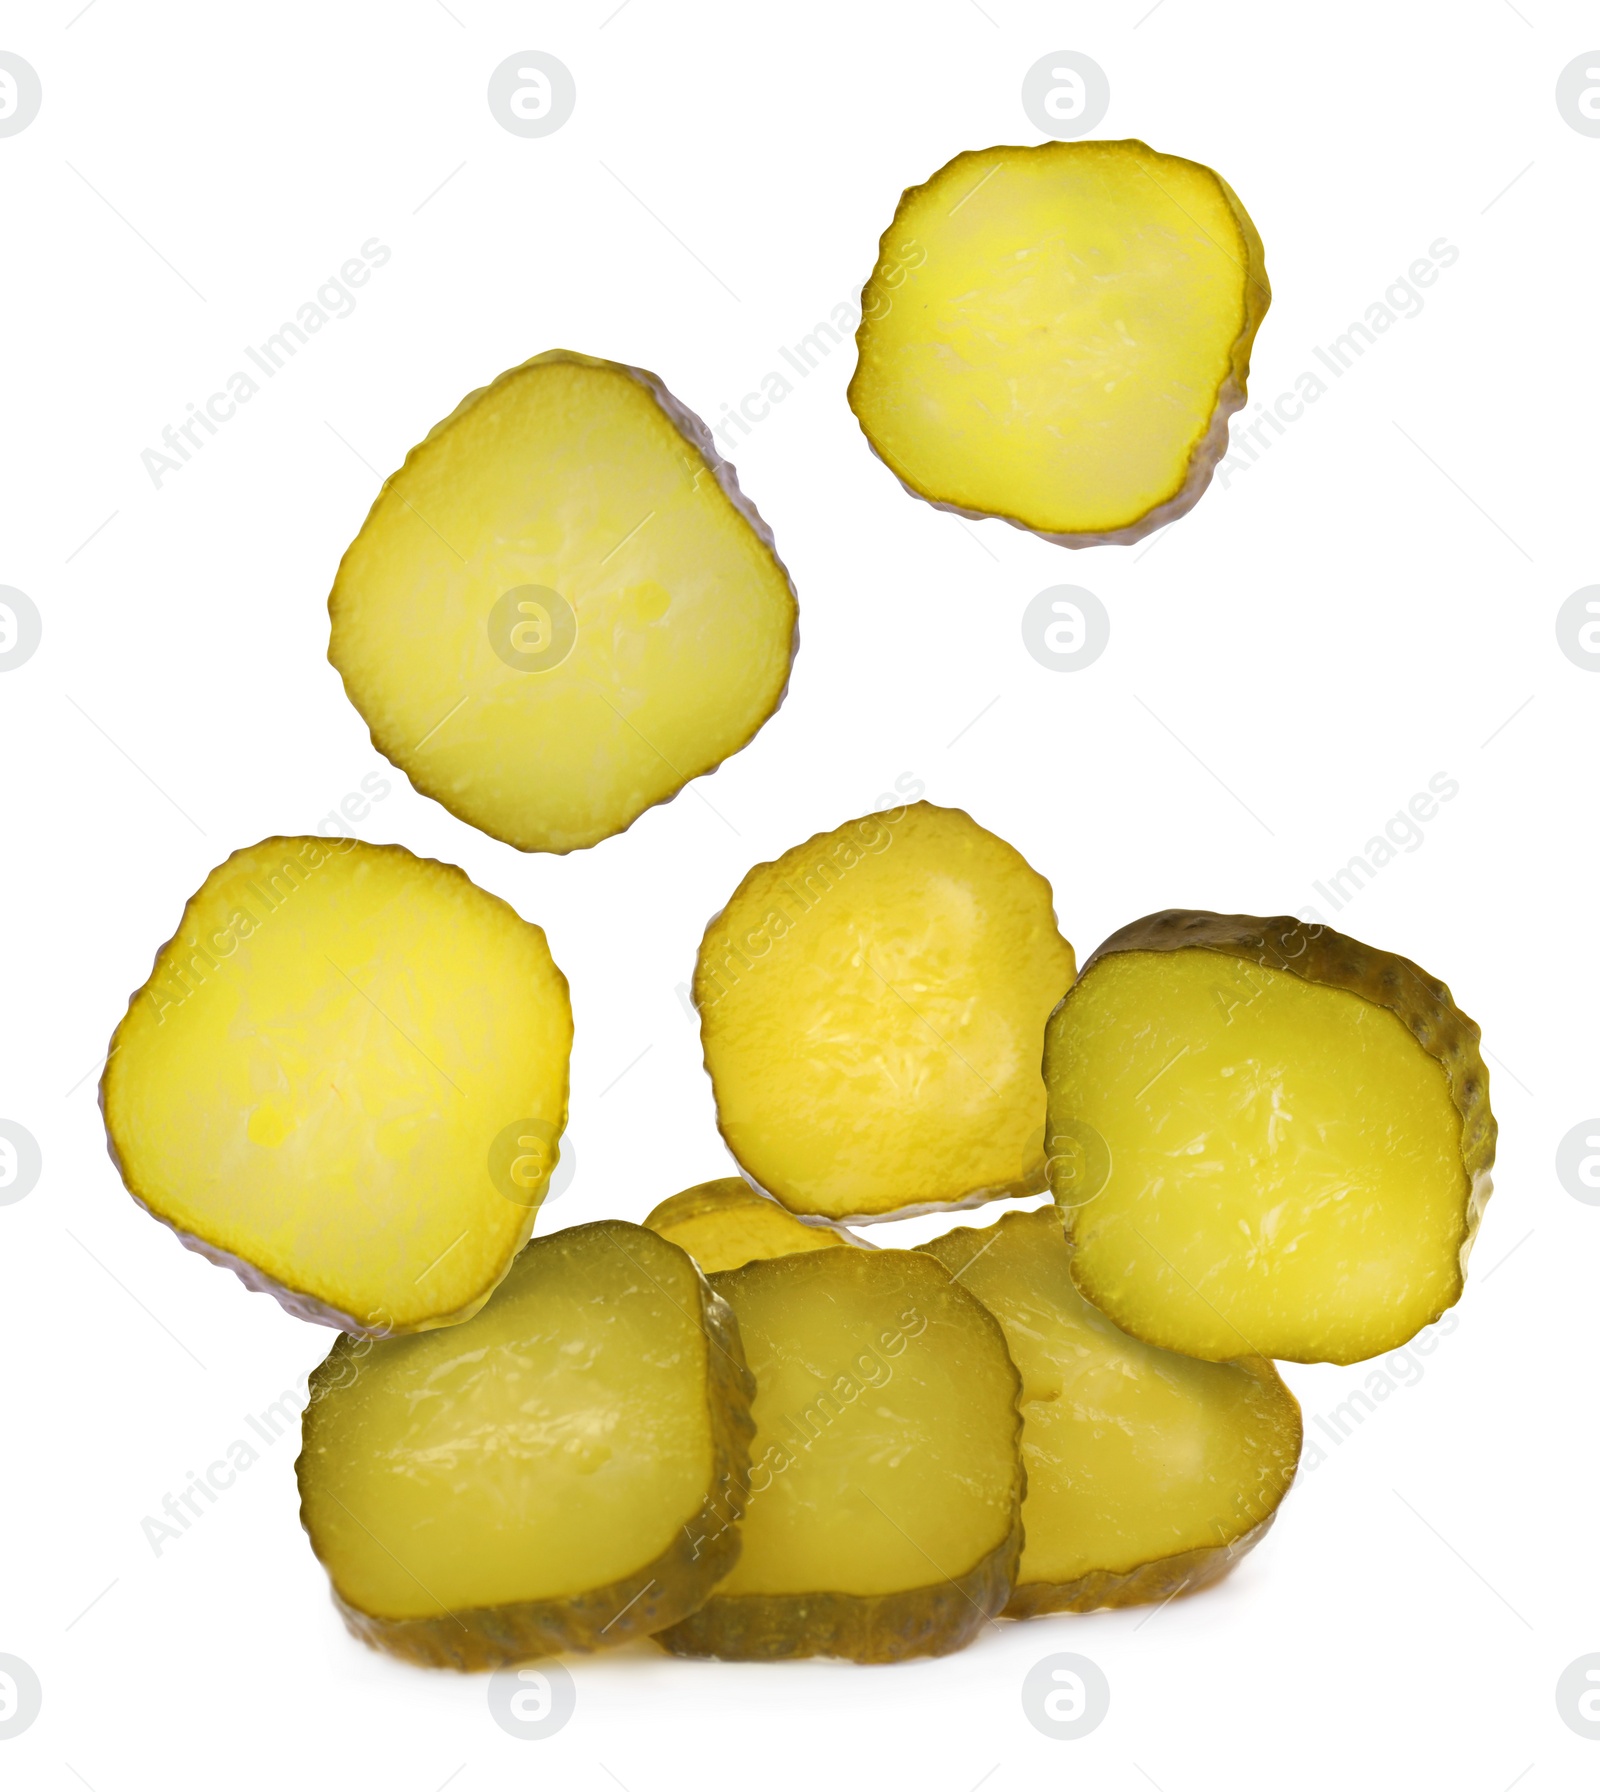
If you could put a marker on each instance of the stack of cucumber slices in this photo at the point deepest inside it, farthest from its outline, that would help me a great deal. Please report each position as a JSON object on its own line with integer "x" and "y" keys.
{"x": 745, "y": 1427}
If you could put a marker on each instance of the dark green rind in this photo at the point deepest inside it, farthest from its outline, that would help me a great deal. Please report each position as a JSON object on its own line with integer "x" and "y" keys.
{"x": 1151, "y": 1583}
{"x": 931, "y": 1620}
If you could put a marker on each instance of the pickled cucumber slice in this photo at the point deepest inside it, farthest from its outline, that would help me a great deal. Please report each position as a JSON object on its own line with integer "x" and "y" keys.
{"x": 1149, "y": 1474}
{"x": 883, "y": 1516}
{"x": 1267, "y": 1139}
{"x": 561, "y": 608}
{"x": 1057, "y": 335}
{"x": 871, "y": 1006}
{"x": 346, "y": 1080}
{"x": 561, "y": 1472}
{"x": 725, "y": 1224}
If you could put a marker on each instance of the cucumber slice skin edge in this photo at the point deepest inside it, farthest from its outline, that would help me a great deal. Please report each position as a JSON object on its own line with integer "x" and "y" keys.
{"x": 1151, "y": 1583}
{"x": 922, "y": 1621}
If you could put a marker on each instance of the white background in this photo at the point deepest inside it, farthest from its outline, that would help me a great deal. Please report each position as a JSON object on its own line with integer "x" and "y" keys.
{"x": 1287, "y": 666}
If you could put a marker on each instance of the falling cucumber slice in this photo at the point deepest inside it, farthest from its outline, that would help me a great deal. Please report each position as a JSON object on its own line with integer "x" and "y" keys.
{"x": 1149, "y": 1473}
{"x": 561, "y": 608}
{"x": 346, "y": 1079}
{"x": 561, "y": 1472}
{"x": 871, "y": 1007}
{"x": 726, "y": 1224}
{"x": 1266, "y": 1138}
{"x": 883, "y": 1516}
{"x": 1057, "y": 335}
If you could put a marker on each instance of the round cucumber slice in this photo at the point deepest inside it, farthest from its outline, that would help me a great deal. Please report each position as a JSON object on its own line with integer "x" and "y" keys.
{"x": 561, "y": 609}
{"x": 346, "y": 1080}
{"x": 563, "y": 1471}
{"x": 1149, "y": 1473}
{"x": 1057, "y": 335}
{"x": 1267, "y": 1139}
{"x": 883, "y": 1515}
{"x": 871, "y": 1006}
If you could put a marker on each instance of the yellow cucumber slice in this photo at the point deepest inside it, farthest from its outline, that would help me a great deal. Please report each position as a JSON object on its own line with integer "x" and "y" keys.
{"x": 561, "y": 608}
{"x": 883, "y": 1517}
{"x": 726, "y": 1224}
{"x": 1058, "y": 334}
{"x": 1149, "y": 1473}
{"x": 560, "y": 1472}
{"x": 1267, "y": 1139}
{"x": 871, "y": 1010}
{"x": 346, "y": 1080}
